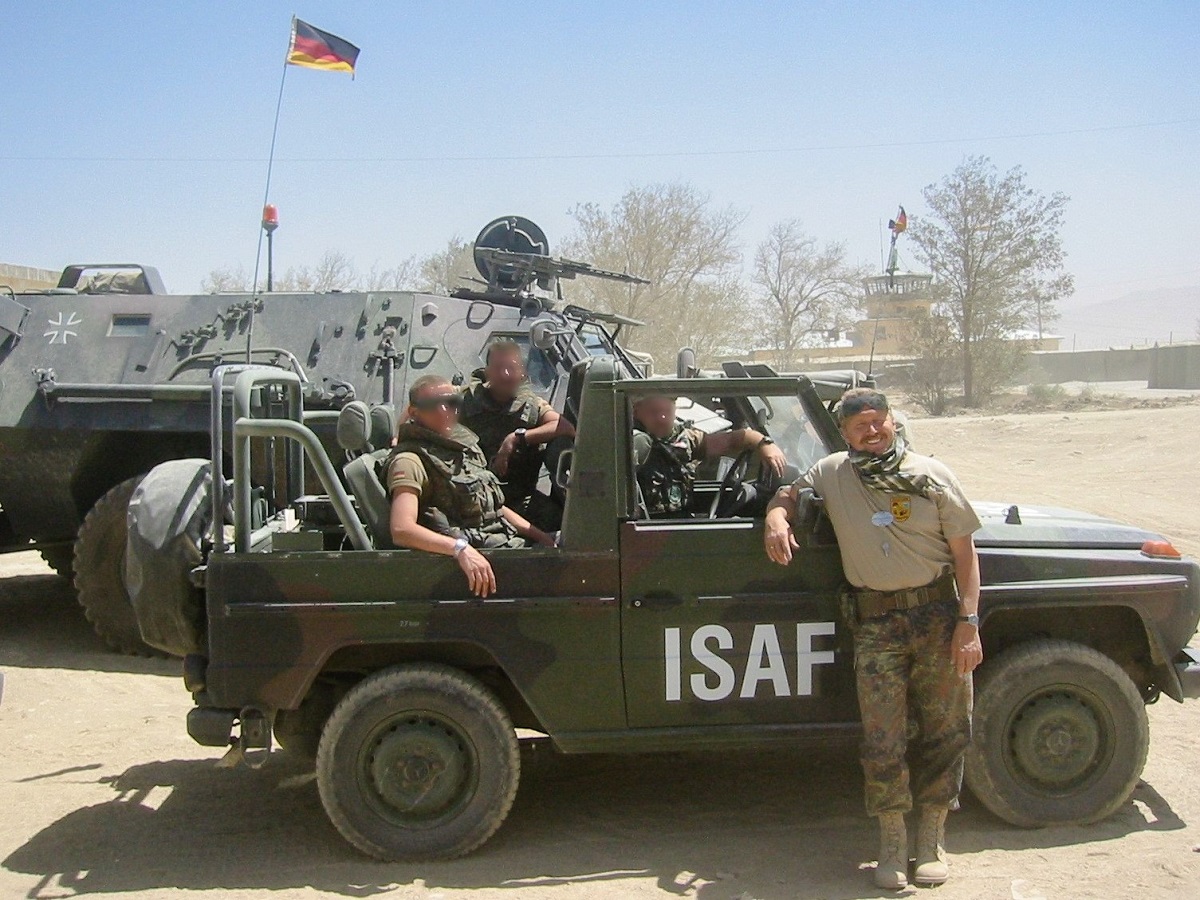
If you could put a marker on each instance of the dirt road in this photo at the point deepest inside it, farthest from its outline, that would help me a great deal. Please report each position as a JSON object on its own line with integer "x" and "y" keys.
{"x": 102, "y": 793}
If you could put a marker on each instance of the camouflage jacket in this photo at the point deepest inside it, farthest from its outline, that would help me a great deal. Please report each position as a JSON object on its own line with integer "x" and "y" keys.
{"x": 667, "y": 468}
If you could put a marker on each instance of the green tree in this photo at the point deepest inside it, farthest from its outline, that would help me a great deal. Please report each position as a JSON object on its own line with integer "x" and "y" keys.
{"x": 993, "y": 246}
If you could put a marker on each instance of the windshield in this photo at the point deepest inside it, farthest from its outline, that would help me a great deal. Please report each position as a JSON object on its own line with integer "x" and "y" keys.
{"x": 787, "y": 422}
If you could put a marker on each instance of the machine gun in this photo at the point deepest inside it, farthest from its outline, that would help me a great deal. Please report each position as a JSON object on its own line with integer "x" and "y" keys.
{"x": 512, "y": 254}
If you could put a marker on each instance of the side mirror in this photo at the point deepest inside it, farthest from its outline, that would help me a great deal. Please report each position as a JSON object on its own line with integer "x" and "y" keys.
{"x": 544, "y": 334}
{"x": 685, "y": 363}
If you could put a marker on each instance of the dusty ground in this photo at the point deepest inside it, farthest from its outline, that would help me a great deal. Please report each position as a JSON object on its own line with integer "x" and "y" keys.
{"x": 102, "y": 792}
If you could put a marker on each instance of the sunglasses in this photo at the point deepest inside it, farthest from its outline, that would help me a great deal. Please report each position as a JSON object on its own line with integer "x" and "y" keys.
{"x": 449, "y": 401}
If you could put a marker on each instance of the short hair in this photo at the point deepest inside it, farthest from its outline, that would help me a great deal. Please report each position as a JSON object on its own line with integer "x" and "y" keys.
{"x": 504, "y": 345}
{"x": 642, "y": 398}
{"x": 425, "y": 381}
{"x": 858, "y": 400}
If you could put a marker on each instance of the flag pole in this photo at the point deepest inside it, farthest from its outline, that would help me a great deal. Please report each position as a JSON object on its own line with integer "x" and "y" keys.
{"x": 267, "y": 189}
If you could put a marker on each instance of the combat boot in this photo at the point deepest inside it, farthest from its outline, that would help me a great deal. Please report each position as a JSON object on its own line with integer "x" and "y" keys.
{"x": 892, "y": 871}
{"x": 931, "y": 850}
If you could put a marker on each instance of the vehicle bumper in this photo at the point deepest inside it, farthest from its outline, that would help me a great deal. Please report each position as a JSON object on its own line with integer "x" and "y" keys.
{"x": 1187, "y": 664}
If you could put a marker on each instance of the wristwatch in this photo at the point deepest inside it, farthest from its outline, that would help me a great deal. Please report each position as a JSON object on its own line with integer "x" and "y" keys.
{"x": 970, "y": 619}
{"x": 766, "y": 440}
{"x": 521, "y": 441}
{"x": 460, "y": 544}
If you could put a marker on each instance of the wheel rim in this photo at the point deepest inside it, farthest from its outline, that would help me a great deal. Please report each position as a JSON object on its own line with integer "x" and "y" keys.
{"x": 417, "y": 769}
{"x": 1059, "y": 740}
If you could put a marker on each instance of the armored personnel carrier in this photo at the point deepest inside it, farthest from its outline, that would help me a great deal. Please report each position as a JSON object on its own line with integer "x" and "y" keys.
{"x": 107, "y": 375}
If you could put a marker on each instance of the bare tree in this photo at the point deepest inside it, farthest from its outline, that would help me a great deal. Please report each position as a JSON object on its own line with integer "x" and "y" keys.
{"x": 402, "y": 277}
{"x": 227, "y": 278}
{"x": 993, "y": 246}
{"x": 672, "y": 235}
{"x": 802, "y": 289}
{"x": 447, "y": 269}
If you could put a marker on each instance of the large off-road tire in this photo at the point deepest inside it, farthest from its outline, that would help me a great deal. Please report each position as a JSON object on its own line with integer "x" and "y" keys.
{"x": 418, "y": 762}
{"x": 99, "y": 572}
{"x": 61, "y": 559}
{"x": 1060, "y": 735}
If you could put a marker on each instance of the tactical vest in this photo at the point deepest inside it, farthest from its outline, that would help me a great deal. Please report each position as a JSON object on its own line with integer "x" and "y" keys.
{"x": 493, "y": 422}
{"x": 462, "y": 497}
{"x": 669, "y": 472}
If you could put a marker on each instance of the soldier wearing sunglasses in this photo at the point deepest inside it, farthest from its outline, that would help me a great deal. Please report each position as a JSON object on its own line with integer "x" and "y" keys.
{"x": 444, "y": 497}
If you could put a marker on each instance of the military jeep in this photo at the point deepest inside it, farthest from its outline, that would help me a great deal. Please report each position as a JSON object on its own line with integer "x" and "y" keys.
{"x": 641, "y": 635}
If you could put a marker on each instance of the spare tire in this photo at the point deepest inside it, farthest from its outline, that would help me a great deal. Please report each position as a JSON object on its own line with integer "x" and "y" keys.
{"x": 99, "y": 579}
{"x": 169, "y": 515}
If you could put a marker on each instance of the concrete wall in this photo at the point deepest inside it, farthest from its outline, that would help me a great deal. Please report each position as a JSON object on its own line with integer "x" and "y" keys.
{"x": 1177, "y": 366}
{"x": 1089, "y": 365}
{"x": 27, "y": 278}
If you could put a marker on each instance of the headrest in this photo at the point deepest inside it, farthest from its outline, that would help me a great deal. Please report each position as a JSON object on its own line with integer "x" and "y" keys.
{"x": 354, "y": 427}
{"x": 383, "y": 427}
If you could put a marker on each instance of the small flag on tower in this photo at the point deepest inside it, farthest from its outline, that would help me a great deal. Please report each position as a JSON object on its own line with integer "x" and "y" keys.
{"x": 317, "y": 49}
{"x": 900, "y": 223}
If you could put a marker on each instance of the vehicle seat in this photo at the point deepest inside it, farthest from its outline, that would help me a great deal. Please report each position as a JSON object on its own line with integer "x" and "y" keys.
{"x": 366, "y": 433}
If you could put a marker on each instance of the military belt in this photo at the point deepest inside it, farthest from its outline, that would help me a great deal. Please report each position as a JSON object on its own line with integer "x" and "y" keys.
{"x": 876, "y": 603}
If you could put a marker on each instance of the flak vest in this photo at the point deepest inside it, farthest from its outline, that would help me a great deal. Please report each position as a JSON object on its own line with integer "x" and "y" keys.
{"x": 668, "y": 474}
{"x": 462, "y": 497}
{"x": 493, "y": 422}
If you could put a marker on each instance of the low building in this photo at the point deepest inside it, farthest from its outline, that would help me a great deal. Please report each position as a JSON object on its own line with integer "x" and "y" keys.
{"x": 27, "y": 278}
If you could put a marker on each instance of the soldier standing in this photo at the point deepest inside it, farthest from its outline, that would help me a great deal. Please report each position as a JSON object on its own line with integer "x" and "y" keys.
{"x": 514, "y": 426}
{"x": 904, "y": 530}
{"x": 444, "y": 497}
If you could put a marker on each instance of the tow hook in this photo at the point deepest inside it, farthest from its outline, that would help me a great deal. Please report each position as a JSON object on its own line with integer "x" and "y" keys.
{"x": 254, "y": 733}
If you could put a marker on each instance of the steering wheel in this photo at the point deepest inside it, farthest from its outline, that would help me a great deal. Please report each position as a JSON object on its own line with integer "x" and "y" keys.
{"x": 733, "y": 478}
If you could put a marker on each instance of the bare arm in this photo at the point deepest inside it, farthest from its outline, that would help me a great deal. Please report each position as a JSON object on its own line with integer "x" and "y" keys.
{"x": 777, "y": 530}
{"x": 525, "y": 528}
{"x": 408, "y": 532}
{"x": 966, "y": 649}
{"x": 734, "y": 441}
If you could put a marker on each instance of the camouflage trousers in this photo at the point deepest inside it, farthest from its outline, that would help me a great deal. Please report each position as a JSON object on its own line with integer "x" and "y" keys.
{"x": 915, "y": 708}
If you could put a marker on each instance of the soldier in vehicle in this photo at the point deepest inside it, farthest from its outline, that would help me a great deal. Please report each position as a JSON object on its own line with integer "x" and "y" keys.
{"x": 668, "y": 452}
{"x": 905, "y": 530}
{"x": 515, "y": 426}
{"x": 444, "y": 498}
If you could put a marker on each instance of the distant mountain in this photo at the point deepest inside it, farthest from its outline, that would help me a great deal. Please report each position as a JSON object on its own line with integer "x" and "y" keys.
{"x": 1139, "y": 319}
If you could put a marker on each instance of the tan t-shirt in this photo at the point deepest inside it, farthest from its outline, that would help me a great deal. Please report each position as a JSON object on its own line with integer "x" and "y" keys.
{"x": 407, "y": 470}
{"x": 891, "y": 542}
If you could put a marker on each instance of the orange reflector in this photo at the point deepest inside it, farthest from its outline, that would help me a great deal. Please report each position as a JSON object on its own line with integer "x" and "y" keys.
{"x": 1160, "y": 550}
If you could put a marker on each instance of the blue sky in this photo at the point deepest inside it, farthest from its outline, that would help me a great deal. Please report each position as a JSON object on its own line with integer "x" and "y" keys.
{"x": 139, "y": 132}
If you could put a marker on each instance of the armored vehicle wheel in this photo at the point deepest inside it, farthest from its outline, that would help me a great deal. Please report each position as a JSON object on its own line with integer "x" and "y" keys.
{"x": 1060, "y": 735}
{"x": 99, "y": 567}
{"x": 60, "y": 559}
{"x": 418, "y": 762}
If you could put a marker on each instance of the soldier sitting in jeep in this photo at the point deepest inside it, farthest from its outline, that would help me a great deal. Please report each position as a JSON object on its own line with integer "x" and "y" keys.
{"x": 444, "y": 498}
{"x": 668, "y": 452}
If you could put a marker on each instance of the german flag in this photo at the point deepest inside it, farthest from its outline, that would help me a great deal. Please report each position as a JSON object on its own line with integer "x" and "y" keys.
{"x": 900, "y": 223}
{"x": 317, "y": 49}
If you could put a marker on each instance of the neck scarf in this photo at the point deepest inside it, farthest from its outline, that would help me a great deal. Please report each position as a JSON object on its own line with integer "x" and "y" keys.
{"x": 883, "y": 472}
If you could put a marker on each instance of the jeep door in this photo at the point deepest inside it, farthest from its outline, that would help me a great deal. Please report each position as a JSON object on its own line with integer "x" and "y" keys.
{"x": 714, "y": 633}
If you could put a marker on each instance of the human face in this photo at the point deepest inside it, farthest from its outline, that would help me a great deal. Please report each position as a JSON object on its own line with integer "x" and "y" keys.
{"x": 870, "y": 431}
{"x": 505, "y": 374}
{"x": 436, "y": 408}
{"x": 656, "y": 415}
